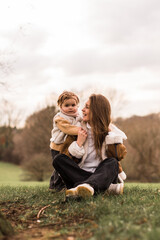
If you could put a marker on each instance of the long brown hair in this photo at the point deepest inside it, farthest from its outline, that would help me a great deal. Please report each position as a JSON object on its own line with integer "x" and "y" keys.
{"x": 100, "y": 118}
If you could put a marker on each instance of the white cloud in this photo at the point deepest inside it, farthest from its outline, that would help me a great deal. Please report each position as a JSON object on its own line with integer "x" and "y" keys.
{"x": 57, "y": 45}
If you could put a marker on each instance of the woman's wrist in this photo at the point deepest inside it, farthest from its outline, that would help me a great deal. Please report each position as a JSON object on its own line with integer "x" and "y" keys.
{"x": 80, "y": 144}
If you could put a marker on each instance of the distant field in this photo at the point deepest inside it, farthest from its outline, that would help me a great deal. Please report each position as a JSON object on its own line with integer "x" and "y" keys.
{"x": 11, "y": 174}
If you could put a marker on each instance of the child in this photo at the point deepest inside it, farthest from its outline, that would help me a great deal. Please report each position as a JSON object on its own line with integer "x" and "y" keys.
{"x": 66, "y": 124}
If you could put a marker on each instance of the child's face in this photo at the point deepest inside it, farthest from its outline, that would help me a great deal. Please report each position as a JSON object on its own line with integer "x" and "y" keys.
{"x": 69, "y": 106}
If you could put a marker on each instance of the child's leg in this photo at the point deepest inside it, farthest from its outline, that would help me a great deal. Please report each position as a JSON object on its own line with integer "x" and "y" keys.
{"x": 121, "y": 174}
{"x": 55, "y": 180}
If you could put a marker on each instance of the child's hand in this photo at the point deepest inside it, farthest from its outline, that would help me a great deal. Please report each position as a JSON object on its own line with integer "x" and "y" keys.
{"x": 82, "y": 135}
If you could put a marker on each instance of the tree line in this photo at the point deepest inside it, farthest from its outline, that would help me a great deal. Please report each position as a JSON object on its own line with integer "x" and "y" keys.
{"x": 29, "y": 146}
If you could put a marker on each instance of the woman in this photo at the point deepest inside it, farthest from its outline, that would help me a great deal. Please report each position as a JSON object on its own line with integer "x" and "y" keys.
{"x": 95, "y": 172}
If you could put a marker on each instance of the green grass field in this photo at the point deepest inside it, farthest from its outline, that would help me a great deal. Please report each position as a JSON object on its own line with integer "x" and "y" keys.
{"x": 11, "y": 175}
{"x": 9, "y": 172}
{"x": 131, "y": 216}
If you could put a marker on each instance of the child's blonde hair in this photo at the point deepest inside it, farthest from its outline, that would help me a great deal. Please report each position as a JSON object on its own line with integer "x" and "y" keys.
{"x": 67, "y": 95}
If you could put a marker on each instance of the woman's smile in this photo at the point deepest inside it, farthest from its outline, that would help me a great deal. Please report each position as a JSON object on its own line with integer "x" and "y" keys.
{"x": 86, "y": 111}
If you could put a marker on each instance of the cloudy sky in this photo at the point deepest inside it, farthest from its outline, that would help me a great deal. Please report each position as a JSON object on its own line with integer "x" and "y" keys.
{"x": 47, "y": 46}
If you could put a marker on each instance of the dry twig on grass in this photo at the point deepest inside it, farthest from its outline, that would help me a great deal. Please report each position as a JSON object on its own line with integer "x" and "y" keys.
{"x": 41, "y": 210}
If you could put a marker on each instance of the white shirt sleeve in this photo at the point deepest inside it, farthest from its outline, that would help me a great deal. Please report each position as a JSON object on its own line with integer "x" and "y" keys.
{"x": 75, "y": 150}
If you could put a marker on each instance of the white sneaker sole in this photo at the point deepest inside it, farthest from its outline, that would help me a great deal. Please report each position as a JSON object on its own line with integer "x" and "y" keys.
{"x": 71, "y": 192}
{"x": 117, "y": 191}
{"x": 84, "y": 192}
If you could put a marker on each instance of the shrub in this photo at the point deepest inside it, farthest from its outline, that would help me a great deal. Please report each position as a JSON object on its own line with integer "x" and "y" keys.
{"x": 37, "y": 168}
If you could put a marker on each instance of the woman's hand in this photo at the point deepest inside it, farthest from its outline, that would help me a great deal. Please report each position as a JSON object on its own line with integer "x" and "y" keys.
{"x": 82, "y": 135}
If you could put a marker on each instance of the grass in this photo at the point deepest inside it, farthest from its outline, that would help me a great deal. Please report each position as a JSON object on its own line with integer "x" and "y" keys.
{"x": 134, "y": 215}
{"x": 9, "y": 172}
{"x": 11, "y": 175}
{"x": 131, "y": 216}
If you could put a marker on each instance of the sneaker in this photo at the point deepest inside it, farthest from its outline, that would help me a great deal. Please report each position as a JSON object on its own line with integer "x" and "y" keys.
{"x": 122, "y": 175}
{"x": 82, "y": 190}
{"x": 120, "y": 180}
{"x": 85, "y": 190}
{"x": 116, "y": 189}
{"x": 72, "y": 192}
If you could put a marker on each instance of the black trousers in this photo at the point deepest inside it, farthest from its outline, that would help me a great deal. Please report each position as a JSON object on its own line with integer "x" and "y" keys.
{"x": 56, "y": 181}
{"x": 72, "y": 175}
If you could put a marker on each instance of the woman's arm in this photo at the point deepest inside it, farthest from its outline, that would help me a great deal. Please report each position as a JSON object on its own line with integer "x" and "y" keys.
{"x": 76, "y": 148}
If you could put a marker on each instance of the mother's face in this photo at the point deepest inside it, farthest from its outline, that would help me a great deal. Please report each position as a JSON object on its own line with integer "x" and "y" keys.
{"x": 85, "y": 111}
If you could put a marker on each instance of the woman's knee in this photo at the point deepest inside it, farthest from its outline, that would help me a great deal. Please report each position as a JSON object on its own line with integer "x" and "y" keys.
{"x": 111, "y": 163}
{"x": 56, "y": 160}
{"x": 59, "y": 159}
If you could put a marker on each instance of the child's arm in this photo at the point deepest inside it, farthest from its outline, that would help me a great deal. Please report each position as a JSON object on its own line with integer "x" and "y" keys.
{"x": 66, "y": 127}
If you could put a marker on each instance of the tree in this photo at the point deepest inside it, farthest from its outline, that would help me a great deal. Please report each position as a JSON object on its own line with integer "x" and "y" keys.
{"x": 144, "y": 140}
{"x": 37, "y": 168}
{"x": 7, "y": 145}
{"x": 9, "y": 115}
{"x": 37, "y": 131}
{"x": 9, "y": 119}
{"x": 32, "y": 143}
